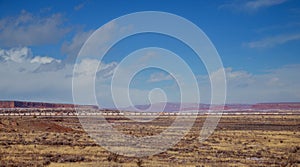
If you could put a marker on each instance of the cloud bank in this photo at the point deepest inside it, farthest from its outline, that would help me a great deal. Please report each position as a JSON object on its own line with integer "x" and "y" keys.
{"x": 20, "y": 80}
{"x": 27, "y": 29}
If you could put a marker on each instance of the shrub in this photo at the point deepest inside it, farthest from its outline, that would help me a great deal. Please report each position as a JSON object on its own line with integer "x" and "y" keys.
{"x": 139, "y": 162}
{"x": 113, "y": 157}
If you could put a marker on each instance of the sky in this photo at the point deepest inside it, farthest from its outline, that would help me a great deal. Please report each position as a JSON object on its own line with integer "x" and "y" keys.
{"x": 257, "y": 41}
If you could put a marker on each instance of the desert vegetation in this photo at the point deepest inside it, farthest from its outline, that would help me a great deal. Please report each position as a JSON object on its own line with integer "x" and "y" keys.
{"x": 249, "y": 140}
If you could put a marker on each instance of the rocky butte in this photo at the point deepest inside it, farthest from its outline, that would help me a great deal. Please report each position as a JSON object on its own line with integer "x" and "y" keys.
{"x": 25, "y": 104}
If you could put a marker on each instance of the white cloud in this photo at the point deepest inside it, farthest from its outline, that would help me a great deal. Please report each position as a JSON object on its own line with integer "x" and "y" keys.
{"x": 106, "y": 70}
{"x": 286, "y": 27}
{"x": 148, "y": 57}
{"x": 97, "y": 44}
{"x": 27, "y": 29}
{"x": 251, "y": 6}
{"x": 80, "y": 6}
{"x": 159, "y": 76}
{"x": 23, "y": 55}
{"x": 273, "y": 41}
{"x": 256, "y": 4}
{"x": 236, "y": 75}
{"x": 20, "y": 82}
{"x": 17, "y": 55}
{"x": 276, "y": 85}
{"x": 71, "y": 48}
{"x": 23, "y": 79}
{"x": 43, "y": 60}
{"x": 282, "y": 84}
{"x": 89, "y": 68}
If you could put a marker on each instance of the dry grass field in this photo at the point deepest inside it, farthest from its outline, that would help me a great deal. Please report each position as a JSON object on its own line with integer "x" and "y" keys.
{"x": 246, "y": 140}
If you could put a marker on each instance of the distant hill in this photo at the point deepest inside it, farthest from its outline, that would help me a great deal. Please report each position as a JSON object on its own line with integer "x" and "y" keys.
{"x": 172, "y": 107}
{"x": 285, "y": 105}
{"x": 158, "y": 107}
{"x": 26, "y": 104}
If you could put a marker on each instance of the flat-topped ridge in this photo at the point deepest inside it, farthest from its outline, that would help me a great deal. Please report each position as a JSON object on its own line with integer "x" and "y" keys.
{"x": 26, "y": 104}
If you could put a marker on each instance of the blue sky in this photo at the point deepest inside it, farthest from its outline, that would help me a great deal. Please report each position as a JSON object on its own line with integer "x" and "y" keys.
{"x": 257, "y": 40}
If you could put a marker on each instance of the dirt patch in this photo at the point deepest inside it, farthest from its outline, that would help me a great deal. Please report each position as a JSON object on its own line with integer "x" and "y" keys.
{"x": 38, "y": 125}
{"x": 21, "y": 124}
